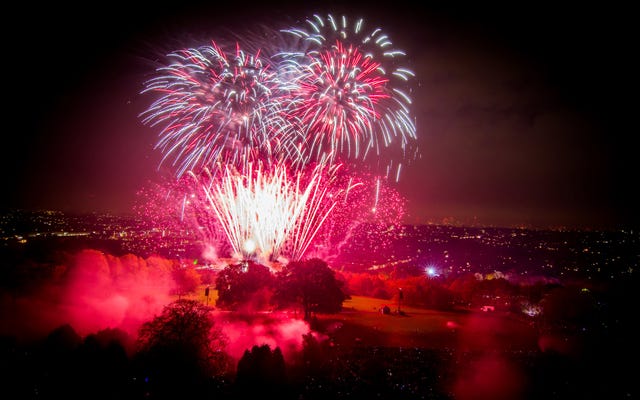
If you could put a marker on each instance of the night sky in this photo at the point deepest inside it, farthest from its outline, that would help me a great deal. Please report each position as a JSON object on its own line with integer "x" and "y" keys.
{"x": 523, "y": 111}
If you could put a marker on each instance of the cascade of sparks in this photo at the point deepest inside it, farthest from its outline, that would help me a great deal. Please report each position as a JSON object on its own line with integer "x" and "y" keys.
{"x": 270, "y": 209}
{"x": 263, "y": 134}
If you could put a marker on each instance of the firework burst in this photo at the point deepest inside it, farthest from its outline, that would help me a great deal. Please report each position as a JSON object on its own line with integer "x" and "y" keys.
{"x": 261, "y": 134}
{"x": 350, "y": 94}
{"x": 215, "y": 106}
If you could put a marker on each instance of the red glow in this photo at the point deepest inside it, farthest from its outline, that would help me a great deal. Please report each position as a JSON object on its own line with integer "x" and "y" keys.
{"x": 490, "y": 377}
{"x": 275, "y": 330}
{"x": 105, "y": 291}
{"x": 339, "y": 214}
{"x": 559, "y": 344}
{"x": 452, "y": 325}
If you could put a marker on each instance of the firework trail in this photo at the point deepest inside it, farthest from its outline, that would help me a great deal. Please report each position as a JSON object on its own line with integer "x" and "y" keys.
{"x": 215, "y": 106}
{"x": 266, "y": 213}
{"x": 350, "y": 93}
{"x": 261, "y": 133}
{"x": 370, "y": 212}
{"x": 181, "y": 210}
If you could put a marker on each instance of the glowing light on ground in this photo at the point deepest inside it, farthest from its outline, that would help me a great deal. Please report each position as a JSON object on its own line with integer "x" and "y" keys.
{"x": 431, "y": 271}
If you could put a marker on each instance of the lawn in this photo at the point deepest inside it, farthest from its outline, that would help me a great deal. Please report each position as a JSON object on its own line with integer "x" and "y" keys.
{"x": 362, "y": 323}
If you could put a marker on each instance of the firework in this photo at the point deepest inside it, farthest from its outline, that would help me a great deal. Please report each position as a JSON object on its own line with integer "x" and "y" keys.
{"x": 370, "y": 212}
{"x": 215, "y": 106}
{"x": 177, "y": 210}
{"x": 350, "y": 92}
{"x": 258, "y": 138}
{"x": 268, "y": 212}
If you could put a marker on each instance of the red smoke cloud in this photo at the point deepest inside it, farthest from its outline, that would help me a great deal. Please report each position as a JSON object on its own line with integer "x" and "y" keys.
{"x": 484, "y": 372}
{"x": 491, "y": 377}
{"x": 273, "y": 329}
{"x": 98, "y": 291}
{"x": 105, "y": 291}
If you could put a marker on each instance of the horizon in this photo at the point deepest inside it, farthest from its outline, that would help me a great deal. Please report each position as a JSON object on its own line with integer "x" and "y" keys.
{"x": 513, "y": 129}
{"x": 444, "y": 221}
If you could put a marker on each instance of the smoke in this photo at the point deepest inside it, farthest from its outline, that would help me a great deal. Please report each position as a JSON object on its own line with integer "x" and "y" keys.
{"x": 105, "y": 291}
{"x": 100, "y": 291}
{"x": 97, "y": 291}
{"x": 210, "y": 253}
{"x": 484, "y": 370}
{"x": 491, "y": 377}
{"x": 273, "y": 329}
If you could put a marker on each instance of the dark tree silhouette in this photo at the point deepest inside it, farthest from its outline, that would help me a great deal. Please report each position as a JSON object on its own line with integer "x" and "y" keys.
{"x": 102, "y": 367}
{"x": 439, "y": 298}
{"x": 261, "y": 370}
{"x": 180, "y": 349}
{"x": 243, "y": 284}
{"x": 463, "y": 288}
{"x": 57, "y": 363}
{"x": 315, "y": 357}
{"x": 311, "y": 284}
{"x": 567, "y": 306}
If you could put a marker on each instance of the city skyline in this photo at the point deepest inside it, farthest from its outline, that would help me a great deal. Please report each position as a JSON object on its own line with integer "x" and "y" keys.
{"x": 519, "y": 110}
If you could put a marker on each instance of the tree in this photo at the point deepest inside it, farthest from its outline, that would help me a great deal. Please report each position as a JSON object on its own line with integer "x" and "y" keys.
{"x": 439, "y": 298}
{"x": 311, "y": 284}
{"x": 261, "y": 370}
{"x": 179, "y": 349}
{"x": 315, "y": 358}
{"x": 569, "y": 306}
{"x": 187, "y": 279}
{"x": 243, "y": 284}
{"x": 58, "y": 363}
{"x": 463, "y": 288}
{"x": 102, "y": 366}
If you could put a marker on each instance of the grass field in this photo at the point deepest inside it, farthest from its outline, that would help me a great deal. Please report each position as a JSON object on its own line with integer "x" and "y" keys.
{"x": 411, "y": 327}
{"x": 362, "y": 323}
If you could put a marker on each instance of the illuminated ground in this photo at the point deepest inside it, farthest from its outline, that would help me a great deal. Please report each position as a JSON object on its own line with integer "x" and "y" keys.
{"x": 362, "y": 324}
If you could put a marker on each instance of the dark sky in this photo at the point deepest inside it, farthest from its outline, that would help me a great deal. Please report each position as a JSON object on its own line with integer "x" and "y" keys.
{"x": 523, "y": 110}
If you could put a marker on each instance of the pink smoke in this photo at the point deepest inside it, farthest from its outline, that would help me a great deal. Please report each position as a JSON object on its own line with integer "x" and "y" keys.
{"x": 484, "y": 372}
{"x": 273, "y": 329}
{"x": 106, "y": 291}
{"x": 94, "y": 291}
{"x": 490, "y": 378}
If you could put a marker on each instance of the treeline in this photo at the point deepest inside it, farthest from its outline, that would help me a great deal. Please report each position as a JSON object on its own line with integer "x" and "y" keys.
{"x": 464, "y": 291}
{"x": 179, "y": 355}
{"x": 178, "y": 350}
